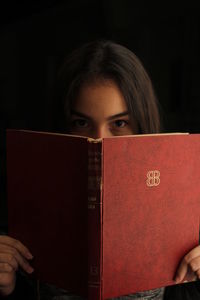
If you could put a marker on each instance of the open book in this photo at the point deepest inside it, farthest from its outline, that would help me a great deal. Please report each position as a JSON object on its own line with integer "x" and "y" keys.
{"x": 106, "y": 217}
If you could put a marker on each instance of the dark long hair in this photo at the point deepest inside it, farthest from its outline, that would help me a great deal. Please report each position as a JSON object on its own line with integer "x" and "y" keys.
{"x": 106, "y": 60}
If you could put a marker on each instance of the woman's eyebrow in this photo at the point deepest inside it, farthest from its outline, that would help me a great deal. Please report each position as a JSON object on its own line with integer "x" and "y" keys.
{"x": 122, "y": 114}
{"x": 77, "y": 113}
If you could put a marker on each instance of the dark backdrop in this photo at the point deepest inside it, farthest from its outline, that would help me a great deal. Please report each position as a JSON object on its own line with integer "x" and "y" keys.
{"x": 35, "y": 35}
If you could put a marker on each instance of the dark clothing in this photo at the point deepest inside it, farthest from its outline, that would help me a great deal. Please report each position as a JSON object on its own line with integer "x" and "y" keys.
{"x": 27, "y": 289}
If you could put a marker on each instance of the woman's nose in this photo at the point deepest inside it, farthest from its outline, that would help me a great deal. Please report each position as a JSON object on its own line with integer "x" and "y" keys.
{"x": 101, "y": 132}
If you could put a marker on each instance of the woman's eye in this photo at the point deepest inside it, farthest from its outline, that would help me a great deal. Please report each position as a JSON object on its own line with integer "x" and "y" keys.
{"x": 80, "y": 123}
{"x": 120, "y": 123}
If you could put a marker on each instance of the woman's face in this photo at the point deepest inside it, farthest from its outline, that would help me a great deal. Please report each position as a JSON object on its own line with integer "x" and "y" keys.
{"x": 100, "y": 111}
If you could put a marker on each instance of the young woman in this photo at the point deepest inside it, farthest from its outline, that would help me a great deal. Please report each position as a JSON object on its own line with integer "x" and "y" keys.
{"x": 103, "y": 90}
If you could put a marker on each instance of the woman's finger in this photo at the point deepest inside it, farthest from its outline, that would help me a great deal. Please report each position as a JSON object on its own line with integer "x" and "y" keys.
{"x": 190, "y": 276}
{"x": 6, "y": 258}
{"x": 6, "y": 268}
{"x": 16, "y": 261}
{"x": 184, "y": 266}
{"x": 6, "y": 240}
{"x": 7, "y": 283}
{"x": 195, "y": 264}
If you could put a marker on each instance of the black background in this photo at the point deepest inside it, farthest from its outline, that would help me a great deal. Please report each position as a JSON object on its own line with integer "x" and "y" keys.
{"x": 36, "y": 35}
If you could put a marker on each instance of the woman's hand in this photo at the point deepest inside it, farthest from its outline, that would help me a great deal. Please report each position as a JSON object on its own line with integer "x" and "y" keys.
{"x": 13, "y": 254}
{"x": 189, "y": 268}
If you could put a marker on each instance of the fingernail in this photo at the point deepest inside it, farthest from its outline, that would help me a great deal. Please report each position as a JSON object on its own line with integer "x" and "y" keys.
{"x": 30, "y": 270}
{"x": 29, "y": 255}
{"x": 177, "y": 279}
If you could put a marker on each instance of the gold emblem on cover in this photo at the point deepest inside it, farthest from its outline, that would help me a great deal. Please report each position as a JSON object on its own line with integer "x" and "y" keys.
{"x": 153, "y": 178}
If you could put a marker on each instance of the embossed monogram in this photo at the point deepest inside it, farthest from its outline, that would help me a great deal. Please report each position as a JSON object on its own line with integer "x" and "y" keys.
{"x": 153, "y": 178}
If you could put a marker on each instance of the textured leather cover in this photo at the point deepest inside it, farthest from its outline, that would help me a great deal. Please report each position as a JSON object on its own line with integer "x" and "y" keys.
{"x": 147, "y": 230}
{"x": 47, "y": 204}
{"x": 145, "y": 226}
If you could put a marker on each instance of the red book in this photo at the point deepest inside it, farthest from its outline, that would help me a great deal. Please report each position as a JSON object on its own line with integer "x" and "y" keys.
{"x": 107, "y": 217}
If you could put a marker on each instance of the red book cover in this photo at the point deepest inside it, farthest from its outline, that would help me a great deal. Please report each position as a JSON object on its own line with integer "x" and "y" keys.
{"x": 108, "y": 217}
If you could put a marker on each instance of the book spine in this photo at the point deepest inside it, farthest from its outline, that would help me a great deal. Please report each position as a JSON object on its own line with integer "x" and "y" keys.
{"x": 94, "y": 220}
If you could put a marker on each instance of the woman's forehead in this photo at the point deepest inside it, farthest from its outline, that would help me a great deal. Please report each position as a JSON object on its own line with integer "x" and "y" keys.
{"x": 102, "y": 98}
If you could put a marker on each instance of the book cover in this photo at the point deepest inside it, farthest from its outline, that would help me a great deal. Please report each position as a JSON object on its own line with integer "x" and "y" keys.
{"x": 104, "y": 218}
